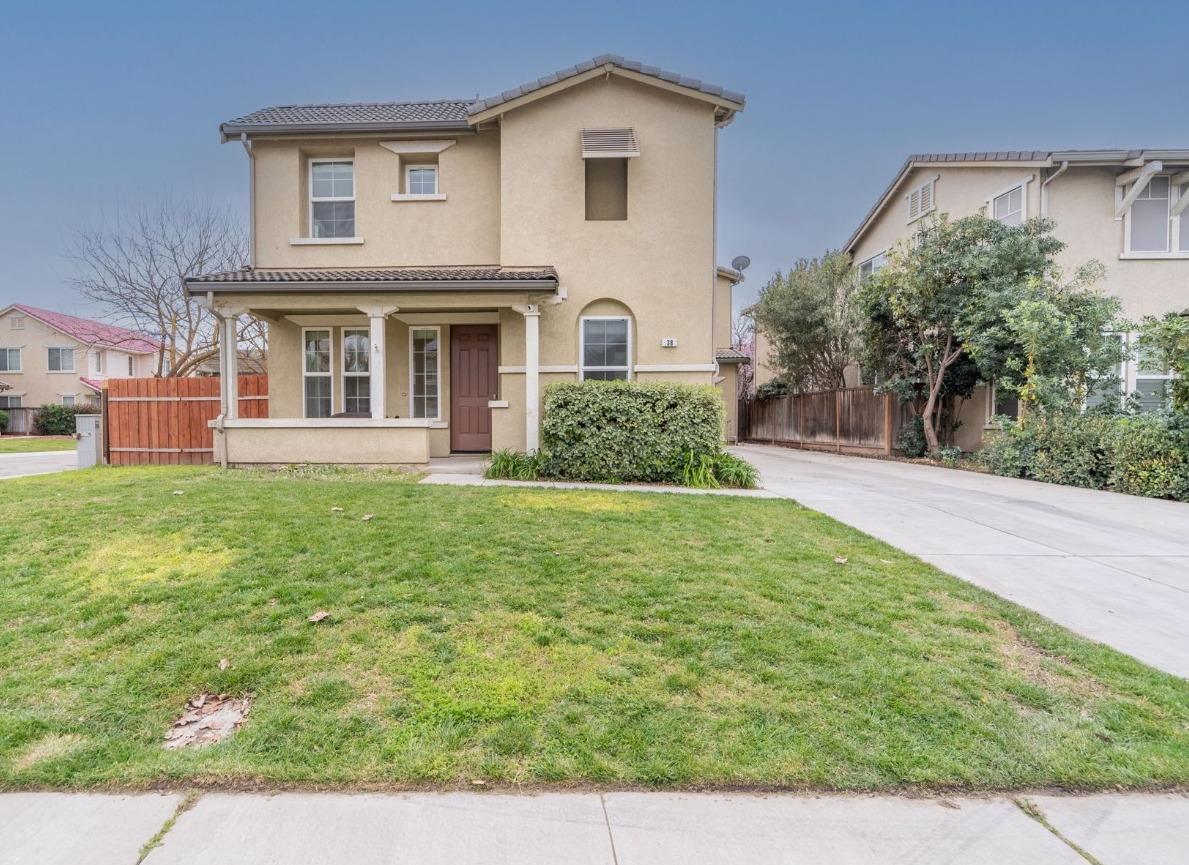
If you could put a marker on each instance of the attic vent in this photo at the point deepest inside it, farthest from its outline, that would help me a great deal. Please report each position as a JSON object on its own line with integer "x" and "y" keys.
{"x": 609, "y": 143}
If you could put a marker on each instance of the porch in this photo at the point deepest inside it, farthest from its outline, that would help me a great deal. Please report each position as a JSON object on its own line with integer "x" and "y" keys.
{"x": 392, "y": 371}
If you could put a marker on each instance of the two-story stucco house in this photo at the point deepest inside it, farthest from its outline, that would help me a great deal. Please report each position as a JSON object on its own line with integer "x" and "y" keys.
{"x": 1123, "y": 208}
{"x": 427, "y": 268}
{"x": 51, "y": 358}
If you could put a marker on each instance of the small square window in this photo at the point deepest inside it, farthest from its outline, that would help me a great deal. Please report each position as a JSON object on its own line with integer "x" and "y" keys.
{"x": 422, "y": 180}
{"x": 605, "y": 348}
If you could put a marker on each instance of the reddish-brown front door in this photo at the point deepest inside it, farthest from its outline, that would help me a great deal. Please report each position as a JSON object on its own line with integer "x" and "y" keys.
{"x": 473, "y": 361}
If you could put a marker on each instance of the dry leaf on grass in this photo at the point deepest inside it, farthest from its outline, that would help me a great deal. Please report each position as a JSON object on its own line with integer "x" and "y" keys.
{"x": 179, "y": 492}
{"x": 208, "y": 718}
{"x": 841, "y": 560}
{"x": 319, "y": 616}
{"x": 224, "y": 663}
{"x": 336, "y": 510}
{"x": 367, "y": 517}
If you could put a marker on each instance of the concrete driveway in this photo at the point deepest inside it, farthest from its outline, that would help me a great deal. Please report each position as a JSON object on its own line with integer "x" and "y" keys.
{"x": 40, "y": 463}
{"x": 1111, "y": 567}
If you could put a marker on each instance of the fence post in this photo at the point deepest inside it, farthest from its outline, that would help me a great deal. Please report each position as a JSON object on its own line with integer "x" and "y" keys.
{"x": 838, "y": 421}
{"x": 887, "y": 424}
{"x": 103, "y": 410}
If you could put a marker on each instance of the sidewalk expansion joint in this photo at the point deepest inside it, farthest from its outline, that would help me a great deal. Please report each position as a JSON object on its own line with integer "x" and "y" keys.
{"x": 610, "y": 834}
{"x": 1035, "y": 813}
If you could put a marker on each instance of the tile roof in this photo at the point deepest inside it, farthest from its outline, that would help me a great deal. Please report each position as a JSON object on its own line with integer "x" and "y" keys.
{"x": 731, "y": 355}
{"x": 93, "y": 383}
{"x": 437, "y": 113}
{"x": 92, "y": 332}
{"x": 983, "y": 156}
{"x": 603, "y": 60}
{"x": 363, "y": 277}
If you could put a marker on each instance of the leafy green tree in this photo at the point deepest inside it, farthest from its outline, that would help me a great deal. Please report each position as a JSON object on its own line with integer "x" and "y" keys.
{"x": 810, "y": 317}
{"x": 975, "y": 299}
{"x": 1167, "y": 339}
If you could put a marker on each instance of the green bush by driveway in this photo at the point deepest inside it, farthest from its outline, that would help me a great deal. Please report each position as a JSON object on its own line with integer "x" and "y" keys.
{"x": 531, "y": 636}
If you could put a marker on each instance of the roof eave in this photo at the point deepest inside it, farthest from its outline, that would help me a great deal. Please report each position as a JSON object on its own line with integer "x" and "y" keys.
{"x": 196, "y": 287}
{"x": 229, "y": 131}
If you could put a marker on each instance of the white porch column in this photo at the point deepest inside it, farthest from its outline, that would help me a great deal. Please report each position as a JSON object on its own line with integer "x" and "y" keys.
{"x": 377, "y": 317}
{"x": 229, "y": 360}
{"x": 532, "y": 377}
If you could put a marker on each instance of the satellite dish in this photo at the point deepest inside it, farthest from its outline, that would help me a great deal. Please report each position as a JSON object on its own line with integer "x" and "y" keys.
{"x": 740, "y": 263}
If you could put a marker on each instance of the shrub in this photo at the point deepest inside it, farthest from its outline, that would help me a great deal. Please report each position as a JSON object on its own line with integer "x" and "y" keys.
{"x": 911, "y": 440}
{"x": 1144, "y": 454}
{"x": 774, "y": 388}
{"x": 619, "y": 431}
{"x": 57, "y": 420}
{"x": 512, "y": 466}
{"x": 3, "y": 421}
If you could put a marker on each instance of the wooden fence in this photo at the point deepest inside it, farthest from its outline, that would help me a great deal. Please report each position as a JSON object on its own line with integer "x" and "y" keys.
{"x": 164, "y": 420}
{"x": 20, "y": 420}
{"x": 852, "y": 419}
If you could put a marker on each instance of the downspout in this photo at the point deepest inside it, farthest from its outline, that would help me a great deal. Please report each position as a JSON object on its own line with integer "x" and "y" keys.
{"x": 247, "y": 145}
{"x": 1044, "y": 188}
{"x": 714, "y": 256}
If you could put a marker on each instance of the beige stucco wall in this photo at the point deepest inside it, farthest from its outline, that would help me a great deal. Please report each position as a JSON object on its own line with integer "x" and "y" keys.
{"x": 463, "y": 229}
{"x": 357, "y": 445}
{"x": 36, "y": 385}
{"x": 765, "y": 369}
{"x": 658, "y": 262}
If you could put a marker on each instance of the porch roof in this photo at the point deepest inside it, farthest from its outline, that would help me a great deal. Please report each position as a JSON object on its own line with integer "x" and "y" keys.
{"x": 491, "y": 277}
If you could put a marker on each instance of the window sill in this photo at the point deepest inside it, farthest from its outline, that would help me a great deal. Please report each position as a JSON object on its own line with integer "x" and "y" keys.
{"x": 436, "y": 196}
{"x": 325, "y": 241}
{"x": 931, "y": 210}
{"x": 60, "y": 372}
{"x": 1152, "y": 256}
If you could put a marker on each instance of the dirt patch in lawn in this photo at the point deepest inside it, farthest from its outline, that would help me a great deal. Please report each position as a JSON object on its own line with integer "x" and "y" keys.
{"x": 208, "y": 719}
{"x": 1049, "y": 671}
{"x": 46, "y": 748}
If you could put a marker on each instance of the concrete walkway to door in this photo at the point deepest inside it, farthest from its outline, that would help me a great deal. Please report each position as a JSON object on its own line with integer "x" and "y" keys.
{"x": 1110, "y": 567}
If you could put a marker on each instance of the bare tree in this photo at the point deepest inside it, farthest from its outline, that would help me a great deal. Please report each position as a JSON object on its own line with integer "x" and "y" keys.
{"x": 136, "y": 269}
{"x": 743, "y": 338}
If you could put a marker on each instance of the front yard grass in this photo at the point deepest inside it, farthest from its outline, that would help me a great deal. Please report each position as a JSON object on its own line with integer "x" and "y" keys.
{"x": 35, "y": 444}
{"x": 527, "y": 636}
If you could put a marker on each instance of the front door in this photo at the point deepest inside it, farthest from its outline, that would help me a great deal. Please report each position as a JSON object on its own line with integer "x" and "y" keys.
{"x": 473, "y": 361}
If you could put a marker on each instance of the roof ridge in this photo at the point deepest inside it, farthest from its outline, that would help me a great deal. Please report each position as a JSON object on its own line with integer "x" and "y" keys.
{"x": 367, "y": 102}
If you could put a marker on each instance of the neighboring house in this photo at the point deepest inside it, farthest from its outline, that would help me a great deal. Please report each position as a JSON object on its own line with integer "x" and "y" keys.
{"x": 52, "y": 358}
{"x": 1123, "y": 208}
{"x": 427, "y": 268}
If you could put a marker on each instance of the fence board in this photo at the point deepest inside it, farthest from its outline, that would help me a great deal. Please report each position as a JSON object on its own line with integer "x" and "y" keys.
{"x": 164, "y": 420}
{"x": 849, "y": 419}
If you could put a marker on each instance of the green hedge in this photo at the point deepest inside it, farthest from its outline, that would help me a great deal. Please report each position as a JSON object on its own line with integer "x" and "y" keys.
{"x": 58, "y": 420}
{"x": 619, "y": 431}
{"x": 3, "y": 421}
{"x": 1146, "y": 455}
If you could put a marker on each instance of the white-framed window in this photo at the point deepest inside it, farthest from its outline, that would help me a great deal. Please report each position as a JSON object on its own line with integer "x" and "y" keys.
{"x": 10, "y": 360}
{"x": 922, "y": 199}
{"x": 10, "y": 401}
{"x": 1108, "y": 386}
{"x": 1151, "y": 382}
{"x": 332, "y": 198}
{"x": 131, "y": 368}
{"x": 425, "y": 372}
{"x": 872, "y": 264}
{"x": 17, "y": 322}
{"x": 1001, "y": 403}
{"x": 317, "y": 381}
{"x": 1148, "y": 221}
{"x": 606, "y": 348}
{"x": 421, "y": 180}
{"x": 1008, "y": 208}
{"x": 97, "y": 361}
{"x": 68, "y": 399}
{"x": 60, "y": 359}
{"x": 357, "y": 374}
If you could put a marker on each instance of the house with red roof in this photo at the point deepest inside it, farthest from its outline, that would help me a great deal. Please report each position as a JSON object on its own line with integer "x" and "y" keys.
{"x": 49, "y": 357}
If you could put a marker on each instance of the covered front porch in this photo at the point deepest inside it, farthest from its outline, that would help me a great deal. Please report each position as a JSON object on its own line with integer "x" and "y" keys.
{"x": 393, "y": 371}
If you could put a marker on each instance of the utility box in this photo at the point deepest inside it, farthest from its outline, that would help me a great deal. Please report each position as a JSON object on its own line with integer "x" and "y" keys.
{"x": 90, "y": 440}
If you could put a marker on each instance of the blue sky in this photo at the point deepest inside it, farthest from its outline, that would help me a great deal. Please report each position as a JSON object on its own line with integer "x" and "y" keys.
{"x": 106, "y": 105}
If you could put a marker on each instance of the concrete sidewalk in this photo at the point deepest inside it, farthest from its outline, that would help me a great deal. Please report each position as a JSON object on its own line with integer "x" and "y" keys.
{"x": 1110, "y": 567}
{"x": 578, "y": 828}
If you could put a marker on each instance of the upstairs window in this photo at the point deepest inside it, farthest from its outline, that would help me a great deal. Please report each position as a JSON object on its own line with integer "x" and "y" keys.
{"x": 1008, "y": 208}
{"x": 421, "y": 180}
{"x": 60, "y": 360}
{"x": 357, "y": 376}
{"x": 1148, "y": 219}
{"x": 605, "y": 153}
{"x": 332, "y": 198}
{"x": 606, "y": 348}
{"x": 130, "y": 367}
{"x": 922, "y": 200}
{"x": 10, "y": 360}
{"x": 97, "y": 358}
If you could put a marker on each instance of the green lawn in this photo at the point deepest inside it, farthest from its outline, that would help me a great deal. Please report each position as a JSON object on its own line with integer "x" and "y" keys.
{"x": 530, "y": 636}
{"x": 31, "y": 444}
